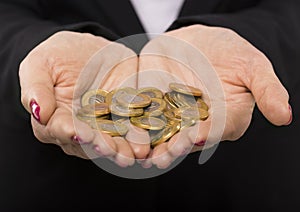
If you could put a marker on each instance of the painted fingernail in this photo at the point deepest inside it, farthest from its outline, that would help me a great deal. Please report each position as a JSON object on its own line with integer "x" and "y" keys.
{"x": 35, "y": 110}
{"x": 201, "y": 143}
{"x": 291, "y": 116}
{"x": 76, "y": 139}
{"x": 97, "y": 150}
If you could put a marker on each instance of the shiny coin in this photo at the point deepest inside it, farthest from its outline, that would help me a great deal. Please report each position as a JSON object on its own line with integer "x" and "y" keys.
{"x": 151, "y": 92}
{"x": 202, "y": 104}
{"x": 156, "y": 108}
{"x": 169, "y": 100}
{"x": 94, "y": 110}
{"x": 112, "y": 128}
{"x": 133, "y": 101}
{"x": 85, "y": 119}
{"x": 185, "y": 89}
{"x": 170, "y": 115}
{"x": 109, "y": 97}
{"x": 119, "y": 110}
{"x": 162, "y": 117}
{"x": 191, "y": 113}
{"x": 148, "y": 122}
{"x": 165, "y": 134}
{"x": 93, "y": 96}
{"x": 186, "y": 123}
{"x": 88, "y": 120}
{"x": 112, "y": 96}
{"x": 183, "y": 100}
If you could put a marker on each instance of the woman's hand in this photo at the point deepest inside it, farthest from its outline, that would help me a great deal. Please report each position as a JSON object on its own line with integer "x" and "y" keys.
{"x": 245, "y": 74}
{"x": 48, "y": 77}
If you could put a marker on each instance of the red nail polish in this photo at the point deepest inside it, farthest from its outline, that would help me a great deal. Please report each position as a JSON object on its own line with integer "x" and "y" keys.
{"x": 201, "y": 143}
{"x": 291, "y": 116}
{"x": 76, "y": 139}
{"x": 35, "y": 110}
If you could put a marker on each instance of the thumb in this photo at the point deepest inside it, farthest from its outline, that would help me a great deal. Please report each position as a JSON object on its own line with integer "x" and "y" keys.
{"x": 37, "y": 90}
{"x": 270, "y": 95}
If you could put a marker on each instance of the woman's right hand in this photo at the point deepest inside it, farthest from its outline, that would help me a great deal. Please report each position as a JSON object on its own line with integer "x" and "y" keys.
{"x": 48, "y": 76}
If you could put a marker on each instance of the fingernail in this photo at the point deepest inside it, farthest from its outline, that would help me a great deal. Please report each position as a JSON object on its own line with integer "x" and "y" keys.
{"x": 35, "y": 110}
{"x": 291, "y": 116}
{"x": 97, "y": 150}
{"x": 140, "y": 161}
{"x": 201, "y": 143}
{"x": 121, "y": 163}
{"x": 76, "y": 139}
{"x": 146, "y": 165}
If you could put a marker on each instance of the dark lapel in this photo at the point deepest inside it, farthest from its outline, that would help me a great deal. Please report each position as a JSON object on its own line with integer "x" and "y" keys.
{"x": 122, "y": 16}
{"x": 198, "y": 7}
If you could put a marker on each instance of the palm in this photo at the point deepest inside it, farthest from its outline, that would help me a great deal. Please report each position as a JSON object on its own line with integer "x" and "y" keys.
{"x": 228, "y": 55}
{"x": 58, "y": 71}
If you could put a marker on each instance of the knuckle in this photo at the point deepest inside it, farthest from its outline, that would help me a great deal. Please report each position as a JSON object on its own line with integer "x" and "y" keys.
{"x": 58, "y": 128}
{"x": 42, "y": 136}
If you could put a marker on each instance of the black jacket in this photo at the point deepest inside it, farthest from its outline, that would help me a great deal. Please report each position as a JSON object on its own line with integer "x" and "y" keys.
{"x": 260, "y": 172}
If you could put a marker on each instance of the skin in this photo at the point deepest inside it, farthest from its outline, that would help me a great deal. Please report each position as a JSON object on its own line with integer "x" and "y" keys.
{"x": 245, "y": 73}
{"x": 49, "y": 73}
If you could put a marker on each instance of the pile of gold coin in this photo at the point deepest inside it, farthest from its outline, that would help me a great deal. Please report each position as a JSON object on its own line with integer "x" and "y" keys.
{"x": 162, "y": 115}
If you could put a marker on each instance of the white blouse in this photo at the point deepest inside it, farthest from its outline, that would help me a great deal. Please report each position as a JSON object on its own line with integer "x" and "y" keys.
{"x": 157, "y": 15}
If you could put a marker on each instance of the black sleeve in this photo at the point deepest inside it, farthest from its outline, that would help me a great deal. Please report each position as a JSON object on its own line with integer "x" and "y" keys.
{"x": 22, "y": 28}
{"x": 271, "y": 26}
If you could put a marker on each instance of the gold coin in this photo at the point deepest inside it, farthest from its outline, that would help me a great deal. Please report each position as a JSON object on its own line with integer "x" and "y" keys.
{"x": 170, "y": 114}
{"x": 133, "y": 100}
{"x": 111, "y": 97}
{"x": 92, "y": 121}
{"x": 119, "y": 110}
{"x": 165, "y": 134}
{"x": 112, "y": 128}
{"x": 169, "y": 101}
{"x": 184, "y": 100}
{"x": 202, "y": 104}
{"x": 93, "y": 96}
{"x": 85, "y": 119}
{"x": 151, "y": 92}
{"x": 156, "y": 108}
{"x": 186, "y": 123}
{"x": 185, "y": 89}
{"x": 191, "y": 113}
{"x": 148, "y": 122}
{"x": 94, "y": 110}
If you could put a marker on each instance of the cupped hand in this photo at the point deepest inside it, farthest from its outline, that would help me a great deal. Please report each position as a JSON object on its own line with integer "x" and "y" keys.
{"x": 52, "y": 79}
{"x": 245, "y": 74}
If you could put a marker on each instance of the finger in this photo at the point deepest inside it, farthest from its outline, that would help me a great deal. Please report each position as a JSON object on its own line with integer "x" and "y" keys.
{"x": 61, "y": 126}
{"x": 161, "y": 156}
{"x": 147, "y": 163}
{"x": 180, "y": 144}
{"x": 200, "y": 137}
{"x": 270, "y": 95}
{"x": 41, "y": 133}
{"x": 124, "y": 156}
{"x": 74, "y": 150}
{"x": 37, "y": 93}
{"x": 104, "y": 145}
{"x": 138, "y": 139}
